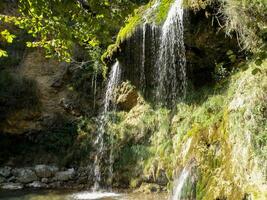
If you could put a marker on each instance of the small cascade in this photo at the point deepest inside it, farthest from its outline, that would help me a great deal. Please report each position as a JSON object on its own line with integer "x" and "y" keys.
{"x": 185, "y": 185}
{"x": 171, "y": 62}
{"x": 179, "y": 184}
{"x": 143, "y": 78}
{"x": 113, "y": 83}
{"x": 145, "y": 29}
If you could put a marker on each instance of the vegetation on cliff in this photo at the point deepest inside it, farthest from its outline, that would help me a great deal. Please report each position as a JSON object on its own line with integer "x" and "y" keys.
{"x": 221, "y": 127}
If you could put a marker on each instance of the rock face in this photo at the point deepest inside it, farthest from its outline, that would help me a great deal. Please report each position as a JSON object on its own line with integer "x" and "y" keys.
{"x": 41, "y": 100}
{"x": 25, "y": 175}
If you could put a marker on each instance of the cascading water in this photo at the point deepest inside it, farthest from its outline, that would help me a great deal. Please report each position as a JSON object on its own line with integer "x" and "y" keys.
{"x": 171, "y": 63}
{"x": 145, "y": 29}
{"x": 180, "y": 184}
{"x": 113, "y": 82}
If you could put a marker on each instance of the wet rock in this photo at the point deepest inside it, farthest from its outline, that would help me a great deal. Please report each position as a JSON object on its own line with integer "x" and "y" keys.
{"x": 44, "y": 171}
{"x": 11, "y": 179}
{"x": 25, "y": 175}
{"x": 5, "y": 171}
{"x": 37, "y": 184}
{"x": 55, "y": 185}
{"x": 127, "y": 96}
{"x": 65, "y": 175}
{"x": 45, "y": 180}
{"x": 12, "y": 186}
{"x": 2, "y": 179}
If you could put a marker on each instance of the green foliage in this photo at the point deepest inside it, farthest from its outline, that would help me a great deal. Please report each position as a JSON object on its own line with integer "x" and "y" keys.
{"x": 6, "y": 36}
{"x": 59, "y": 25}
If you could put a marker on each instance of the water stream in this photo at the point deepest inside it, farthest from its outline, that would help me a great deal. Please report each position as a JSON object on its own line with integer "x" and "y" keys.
{"x": 113, "y": 83}
{"x": 179, "y": 184}
{"x": 75, "y": 195}
{"x": 171, "y": 62}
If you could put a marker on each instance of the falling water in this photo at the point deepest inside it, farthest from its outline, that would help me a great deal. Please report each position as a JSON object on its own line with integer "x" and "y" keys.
{"x": 172, "y": 61}
{"x": 143, "y": 78}
{"x": 113, "y": 82}
{"x": 180, "y": 184}
{"x": 145, "y": 28}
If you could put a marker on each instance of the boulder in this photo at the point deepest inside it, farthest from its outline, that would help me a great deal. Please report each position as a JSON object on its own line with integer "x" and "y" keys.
{"x": 65, "y": 175}
{"x": 45, "y": 171}
{"x": 5, "y": 171}
{"x": 45, "y": 180}
{"x": 37, "y": 184}
{"x": 12, "y": 186}
{"x": 127, "y": 96}
{"x": 25, "y": 175}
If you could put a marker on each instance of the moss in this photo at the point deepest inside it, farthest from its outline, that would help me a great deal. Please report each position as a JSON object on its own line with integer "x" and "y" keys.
{"x": 130, "y": 26}
{"x": 162, "y": 11}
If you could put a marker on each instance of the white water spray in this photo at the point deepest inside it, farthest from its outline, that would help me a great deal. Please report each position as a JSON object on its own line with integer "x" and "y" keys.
{"x": 113, "y": 83}
{"x": 172, "y": 61}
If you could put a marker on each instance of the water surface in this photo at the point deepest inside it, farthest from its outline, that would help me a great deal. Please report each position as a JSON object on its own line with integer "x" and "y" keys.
{"x": 70, "y": 195}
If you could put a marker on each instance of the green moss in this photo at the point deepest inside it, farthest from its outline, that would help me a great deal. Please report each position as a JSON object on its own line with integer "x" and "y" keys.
{"x": 130, "y": 26}
{"x": 162, "y": 11}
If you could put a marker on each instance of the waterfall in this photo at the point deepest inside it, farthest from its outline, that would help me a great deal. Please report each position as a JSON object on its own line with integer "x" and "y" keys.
{"x": 145, "y": 28}
{"x": 143, "y": 78}
{"x": 179, "y": 184}
{"x": 113, "y": 83}
{"x": 171, "y": 62}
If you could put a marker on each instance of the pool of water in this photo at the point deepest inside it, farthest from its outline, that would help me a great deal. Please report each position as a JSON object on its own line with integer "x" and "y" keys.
{"x": 70, "y": 195}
